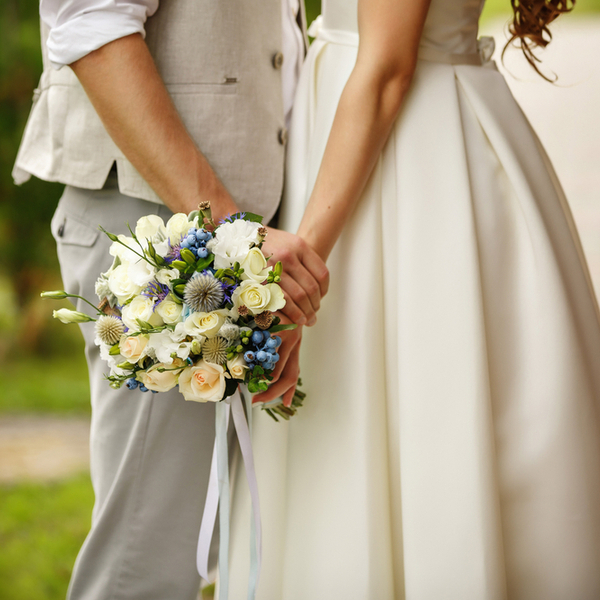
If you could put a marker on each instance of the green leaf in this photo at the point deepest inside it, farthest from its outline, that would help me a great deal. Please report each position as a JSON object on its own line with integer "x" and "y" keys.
{"x": 282, "y": 327}
{"x": 263, "y": 386}
{"x": 231, "y": 385}
{"x": 253, "y": 386}
{"x": 114, "y": 350}
{"x": 203, "y": 263}
{"x": 253, "y": 218}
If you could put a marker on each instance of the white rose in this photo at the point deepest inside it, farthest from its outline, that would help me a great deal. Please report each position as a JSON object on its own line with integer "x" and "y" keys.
{"x": 141, "y": 272}
{"x": 165, "y": 347}
{"x": 150, "y": 227}
{"x": 237, "y": 367}
{"x": 170, "y": 311}
{"x": 125, "y": 253}
{"x": 141, "y": 307}
{"x": 200, "y": 324}
{"x": 159, "y": 381}
{"x": 178, "y": 226}
{"x": 255, "y": 266}
{"x": 133, "y": 347}
{"x": 204, "y": 382}
{"x": 232, "y": 242}
{"x": 257, "y": 297}
{"x": 121, "y": 285}
{"x": 165, "y": 276}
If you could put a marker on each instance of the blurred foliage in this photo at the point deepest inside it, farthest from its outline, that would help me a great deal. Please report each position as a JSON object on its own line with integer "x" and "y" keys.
{"x": 29, "y": 257}
{"x": 42, "y": 527}
{"x": 60, "y": 385}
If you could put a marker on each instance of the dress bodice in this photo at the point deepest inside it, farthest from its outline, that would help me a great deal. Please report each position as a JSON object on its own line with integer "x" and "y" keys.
{"x": 451, "y": 25}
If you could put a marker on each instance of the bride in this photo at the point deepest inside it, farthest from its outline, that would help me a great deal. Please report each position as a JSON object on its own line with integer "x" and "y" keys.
{"x": 449, "y": 446}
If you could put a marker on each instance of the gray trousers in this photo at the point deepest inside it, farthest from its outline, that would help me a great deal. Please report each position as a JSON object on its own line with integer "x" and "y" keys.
{"x": 150, "y": 453}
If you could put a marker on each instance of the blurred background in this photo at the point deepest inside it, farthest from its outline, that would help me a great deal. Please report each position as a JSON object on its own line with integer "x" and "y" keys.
{"x": 45, "y": 492}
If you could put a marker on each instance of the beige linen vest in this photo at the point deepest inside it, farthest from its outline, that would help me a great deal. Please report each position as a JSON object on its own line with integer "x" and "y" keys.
{"x": 221, "y": 64}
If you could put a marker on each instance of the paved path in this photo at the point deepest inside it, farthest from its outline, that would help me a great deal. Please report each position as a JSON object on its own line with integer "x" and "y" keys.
{"x": 42, "y": 448}
{"x": 567, "y": 119}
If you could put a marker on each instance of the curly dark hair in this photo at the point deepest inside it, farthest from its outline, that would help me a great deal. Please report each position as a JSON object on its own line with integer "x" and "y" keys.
{"x": 529, "y": 27}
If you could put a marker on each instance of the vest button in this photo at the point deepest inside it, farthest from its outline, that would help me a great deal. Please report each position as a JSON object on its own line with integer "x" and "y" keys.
{"x": 277, "y": 60}
{"x": 282, "y": 136}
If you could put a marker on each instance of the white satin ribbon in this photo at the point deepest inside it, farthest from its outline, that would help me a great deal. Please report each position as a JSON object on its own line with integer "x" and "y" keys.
{"x": 217, "y": 496}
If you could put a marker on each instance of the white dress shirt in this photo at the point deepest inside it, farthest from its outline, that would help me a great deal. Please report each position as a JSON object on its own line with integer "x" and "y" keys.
{"x": 77, "y": 27}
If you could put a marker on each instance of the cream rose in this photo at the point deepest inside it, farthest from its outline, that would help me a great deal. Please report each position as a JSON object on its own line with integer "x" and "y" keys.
{"x": 257, "y": 297}
{"x": 204, "y": 382}
{"x": 121, "y": 285}
{"x": 255, "y": 266}
{"x": 132, "y": 348}
{"x": 150, "y": 227}
{"x": 165, "y": 276}
{"x": 170, "y": 311}
{"x": 125, "y": 253}
{"x": 237, "y": 367}
{"x": 201, "y": 324}
{"x": 232, "y": 242}
{"x": 141, "y": 272}
{"x": 159, "y": 381}
{"x": 178, "y": 226}
{"x": 141, "y": 307}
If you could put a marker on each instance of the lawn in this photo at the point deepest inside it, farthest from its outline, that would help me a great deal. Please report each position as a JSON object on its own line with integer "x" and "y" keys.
{"x": 42, "y": 527}
{"x": 45, "y": 384}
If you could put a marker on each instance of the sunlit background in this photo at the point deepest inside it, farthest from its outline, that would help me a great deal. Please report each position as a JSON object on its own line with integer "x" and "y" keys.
{"x": 45, "y": 492}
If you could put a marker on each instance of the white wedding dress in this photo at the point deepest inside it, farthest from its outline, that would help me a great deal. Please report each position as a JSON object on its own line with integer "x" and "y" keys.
{"x": 449, "y": 445}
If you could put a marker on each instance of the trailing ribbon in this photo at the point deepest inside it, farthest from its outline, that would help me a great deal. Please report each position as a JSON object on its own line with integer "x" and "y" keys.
{"x": 217, "y": 496}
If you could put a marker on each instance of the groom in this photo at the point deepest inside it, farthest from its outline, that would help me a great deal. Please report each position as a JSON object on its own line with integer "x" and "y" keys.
{"x": 145, "y": 108}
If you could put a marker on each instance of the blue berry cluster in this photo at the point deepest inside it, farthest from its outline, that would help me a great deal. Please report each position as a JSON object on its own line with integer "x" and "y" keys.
{"x": 195, "y": 242}
{"x": 132, "y": 384}
{"x": 263, "y": 350}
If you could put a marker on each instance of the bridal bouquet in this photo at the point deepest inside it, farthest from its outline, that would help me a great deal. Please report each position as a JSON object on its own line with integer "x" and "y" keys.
{"x": 190, "y": 304}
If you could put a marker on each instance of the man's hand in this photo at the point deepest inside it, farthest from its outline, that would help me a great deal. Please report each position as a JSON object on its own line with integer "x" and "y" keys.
{"x": 287, "y": 370}
{"x": 305, "y": 278}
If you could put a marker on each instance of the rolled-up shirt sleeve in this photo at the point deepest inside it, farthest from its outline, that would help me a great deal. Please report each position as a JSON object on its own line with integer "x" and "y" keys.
{"x": 77, "y": 27}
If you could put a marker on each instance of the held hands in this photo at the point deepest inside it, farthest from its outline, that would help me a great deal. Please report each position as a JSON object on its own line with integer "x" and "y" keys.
{"x": 305, "y": 281}
{"x": 305, "y": 277}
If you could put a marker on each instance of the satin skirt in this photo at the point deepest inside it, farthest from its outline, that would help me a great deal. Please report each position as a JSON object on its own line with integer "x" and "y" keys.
{"x": 449, "y": 446}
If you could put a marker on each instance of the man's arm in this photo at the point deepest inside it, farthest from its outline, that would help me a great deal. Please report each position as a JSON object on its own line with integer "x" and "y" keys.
{"x": 132, "y": 101}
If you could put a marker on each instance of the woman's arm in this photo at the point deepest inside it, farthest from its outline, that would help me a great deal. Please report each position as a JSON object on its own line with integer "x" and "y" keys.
{"x": 390, "y": 31}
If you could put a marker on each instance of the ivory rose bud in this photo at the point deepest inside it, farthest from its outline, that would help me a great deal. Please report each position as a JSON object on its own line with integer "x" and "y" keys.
{"x": 170, "y": 311}
{"x": 66, "y": 315}
{"x": 178, "y": 226}
{"x": 232, "y": 242}
{"x": 257, "y": 297}
{"x": 132, "y": 348}
{"x": 237, "y": 367}
{"x": 205, "y": 324}
{"x": 121, "y": 285}
{"x": 255, "y": 266}
{"x": 141, "y": 307}
{"x": 159, "y": 381}
{"x": 150, "y": 227}
{"x": 204, "y": 382}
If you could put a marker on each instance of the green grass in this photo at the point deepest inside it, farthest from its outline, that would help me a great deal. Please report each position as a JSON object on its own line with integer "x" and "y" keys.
{"x": 51, "y": 385}
{"x": 42, "y": 527}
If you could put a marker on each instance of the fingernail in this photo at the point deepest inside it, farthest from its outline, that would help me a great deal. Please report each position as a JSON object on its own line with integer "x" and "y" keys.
{"x": 301, "y": 320}
{"x": 312, "y": 322}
